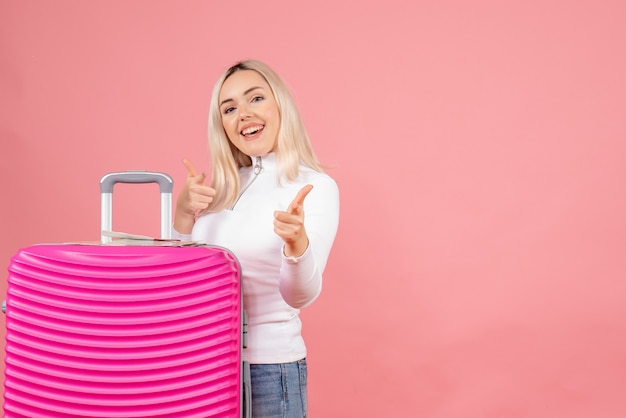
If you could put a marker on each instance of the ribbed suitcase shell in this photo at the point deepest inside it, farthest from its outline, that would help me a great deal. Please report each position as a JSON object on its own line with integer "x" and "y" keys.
{"x": 123, "y": 331}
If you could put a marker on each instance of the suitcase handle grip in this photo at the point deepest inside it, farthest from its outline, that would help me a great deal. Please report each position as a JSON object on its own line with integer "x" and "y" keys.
{"x": 166, "y": 185}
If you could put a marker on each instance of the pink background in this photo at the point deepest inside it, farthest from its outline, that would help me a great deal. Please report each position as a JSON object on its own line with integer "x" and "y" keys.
{"x": 480, "y": 151}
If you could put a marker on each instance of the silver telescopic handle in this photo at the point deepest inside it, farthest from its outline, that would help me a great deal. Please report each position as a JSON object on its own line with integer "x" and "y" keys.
{"x": 166, "y": 185}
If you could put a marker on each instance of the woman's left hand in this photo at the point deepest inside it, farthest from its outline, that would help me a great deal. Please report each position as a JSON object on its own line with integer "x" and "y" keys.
{"x": 289, "y": 225}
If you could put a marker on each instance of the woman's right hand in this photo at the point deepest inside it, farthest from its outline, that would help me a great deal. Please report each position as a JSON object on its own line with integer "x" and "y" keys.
{"x": 193, "y": 199}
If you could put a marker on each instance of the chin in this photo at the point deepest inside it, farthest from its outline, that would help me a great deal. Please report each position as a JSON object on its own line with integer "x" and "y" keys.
{"x": 258, "y": 151}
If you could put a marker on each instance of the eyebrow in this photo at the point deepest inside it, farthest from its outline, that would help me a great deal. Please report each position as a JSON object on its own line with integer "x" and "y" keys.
{"x": 244, "y": 93}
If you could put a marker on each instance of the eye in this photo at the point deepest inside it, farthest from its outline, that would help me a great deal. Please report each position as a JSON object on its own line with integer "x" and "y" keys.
{"x": 228, "y": 110}
{"x": 257, "y": 99}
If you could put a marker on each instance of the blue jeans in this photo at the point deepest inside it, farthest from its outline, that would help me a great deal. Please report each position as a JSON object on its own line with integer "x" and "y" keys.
{"x": 279, "y": 390}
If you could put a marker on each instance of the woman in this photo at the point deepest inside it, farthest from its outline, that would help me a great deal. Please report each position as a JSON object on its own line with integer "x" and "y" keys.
{"x": 262, "y": 169}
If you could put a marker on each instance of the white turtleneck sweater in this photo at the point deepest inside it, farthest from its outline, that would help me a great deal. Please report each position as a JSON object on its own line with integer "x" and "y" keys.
{"x": 275, "y": 287}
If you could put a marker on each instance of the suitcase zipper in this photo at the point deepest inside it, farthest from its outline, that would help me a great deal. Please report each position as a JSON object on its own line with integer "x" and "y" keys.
{"x": 258, "y": 166}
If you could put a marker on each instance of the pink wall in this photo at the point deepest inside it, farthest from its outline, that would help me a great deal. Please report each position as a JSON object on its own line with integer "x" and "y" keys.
{"x": 480, "y": 150}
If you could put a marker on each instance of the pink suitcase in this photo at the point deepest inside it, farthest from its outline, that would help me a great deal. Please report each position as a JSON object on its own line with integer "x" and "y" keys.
{"x": 153, "y": 329}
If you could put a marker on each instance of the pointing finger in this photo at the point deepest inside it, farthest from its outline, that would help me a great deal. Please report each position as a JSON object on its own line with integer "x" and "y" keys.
{"x": 299, "y": 200}
{"x": 191, "y": 171}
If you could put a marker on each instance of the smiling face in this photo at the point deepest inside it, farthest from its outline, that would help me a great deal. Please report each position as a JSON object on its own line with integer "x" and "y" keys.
{"x": 249, "y": 112}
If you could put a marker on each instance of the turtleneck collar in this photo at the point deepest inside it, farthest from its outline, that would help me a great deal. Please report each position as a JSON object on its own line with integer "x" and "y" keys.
{"x": 264, "y": 162}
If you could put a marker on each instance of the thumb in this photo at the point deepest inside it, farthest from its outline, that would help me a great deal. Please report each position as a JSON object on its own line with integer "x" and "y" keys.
{"x": 201, "y": 178}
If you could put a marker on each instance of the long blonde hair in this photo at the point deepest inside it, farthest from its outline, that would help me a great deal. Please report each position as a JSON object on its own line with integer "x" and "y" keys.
{"x": 292, "y": 149}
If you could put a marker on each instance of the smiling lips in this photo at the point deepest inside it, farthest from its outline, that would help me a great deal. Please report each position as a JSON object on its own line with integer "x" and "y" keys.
{"x": 252, "y": 132}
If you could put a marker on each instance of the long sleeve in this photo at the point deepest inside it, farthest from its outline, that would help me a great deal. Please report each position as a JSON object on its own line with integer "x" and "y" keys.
{"x": 179, "y": 236}
{"x": 300, "y": 279}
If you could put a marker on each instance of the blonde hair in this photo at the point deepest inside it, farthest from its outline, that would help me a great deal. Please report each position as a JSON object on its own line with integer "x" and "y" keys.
{"x": 292, "y": 149}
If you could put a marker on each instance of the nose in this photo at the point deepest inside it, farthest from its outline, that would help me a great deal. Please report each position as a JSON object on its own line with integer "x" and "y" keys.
{"x": 244, "y": 113}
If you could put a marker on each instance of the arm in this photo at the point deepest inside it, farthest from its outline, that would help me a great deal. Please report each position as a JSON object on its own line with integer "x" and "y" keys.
{"x": 307, "y": 248}
{"x": 192, "y": 199}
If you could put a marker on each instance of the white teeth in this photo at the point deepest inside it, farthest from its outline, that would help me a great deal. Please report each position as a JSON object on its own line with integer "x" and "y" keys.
{"x": 251, "y": 130}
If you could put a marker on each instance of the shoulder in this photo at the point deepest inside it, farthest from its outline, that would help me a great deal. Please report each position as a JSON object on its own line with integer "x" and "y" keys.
{"x": 308, "y": 175}
{"x": 324, "y": 186}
